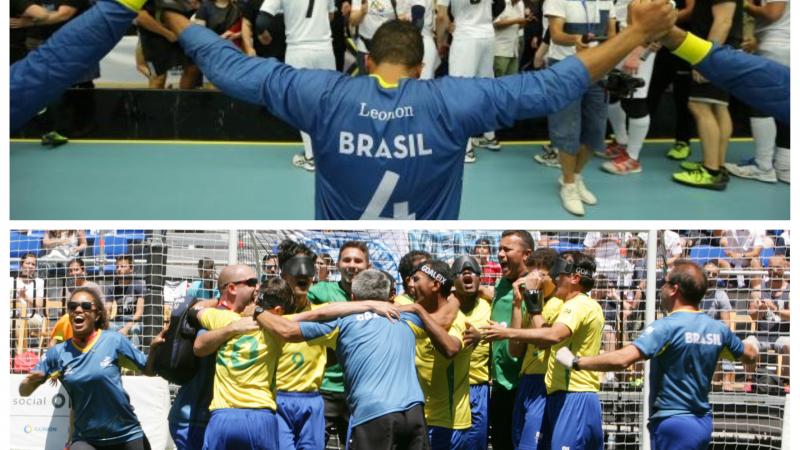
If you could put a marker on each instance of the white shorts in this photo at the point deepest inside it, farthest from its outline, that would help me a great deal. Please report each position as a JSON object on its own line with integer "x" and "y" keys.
{"x": 645, "y": 72}
{"x": 310, "y": 58}
{"x": 472, "y": 57}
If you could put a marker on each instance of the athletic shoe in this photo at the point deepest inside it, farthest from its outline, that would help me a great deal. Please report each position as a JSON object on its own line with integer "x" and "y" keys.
{"x": 622, "y": 165}
{"x": 571, "y": 199}
{"x": 612, "y": 151}
{"x": 469, "y": 157}
{"x": 548, "y": 157}
{"x": 700, "y": 178}
{"x": 299, "y": 160}
{"x": 749, "y": 169}
{"x": 53, "y": 139}
{"x": 783, "y": 175}
{"x": 586, "y": 195}
{"x": 488, "y": 144}
{"x": 692, "y": 165}
{"x": 679, "y": 151}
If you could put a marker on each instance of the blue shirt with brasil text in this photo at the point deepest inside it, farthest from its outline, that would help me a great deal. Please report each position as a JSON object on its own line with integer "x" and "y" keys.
{"x": 684, "y": 348}
{"x": 385, "y": 151}
{"x": 378, "y": 356}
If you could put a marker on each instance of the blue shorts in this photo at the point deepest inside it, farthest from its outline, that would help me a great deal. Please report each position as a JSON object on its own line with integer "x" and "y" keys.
{"x": 573, "y": 420}
{"x": 237, "y": 428}
{"x": 301, "y": 420}
{"x": 448, "y": 439}
{"x": 681, "y": 432}
{"x": 478, "y": 435}
{"x": 581, "y": 122}
{"x": 187, "y": 438}
{"x": 526, "y": 421}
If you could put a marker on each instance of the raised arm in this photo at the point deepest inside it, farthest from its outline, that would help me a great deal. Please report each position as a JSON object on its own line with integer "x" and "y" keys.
{"x": 39, "y": 78}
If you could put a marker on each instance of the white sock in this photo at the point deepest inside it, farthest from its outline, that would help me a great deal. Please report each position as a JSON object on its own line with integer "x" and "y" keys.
{"x": 489, "y": 135}
{"x": 764, "y": 132}
{"x": 616, "y": 115}
{"x": 782, "y": 158}
{"x": 307, "y": 145}
{"x": 638, "y": 131}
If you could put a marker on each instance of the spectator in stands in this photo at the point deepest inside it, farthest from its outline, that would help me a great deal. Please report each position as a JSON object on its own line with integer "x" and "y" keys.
{"x": 406, "y": 267}
{"x": 743, "y": 248}
{"x": 579, "y": 129}
{"x": 223, "y": 17}
{"x": 771, "y": 139}
{"x": 76, "y": 276}
{"x": 125, "y": 299}
{"x": 490, "y": 270}
{"x": 506, "y": 37}
{"x": 607, "y": 295}
{"x": 269, "y": 267}
{"x": 62, "y": 246}
{"x": 674, "y": 245}
{"x": 366, "y": 17}
{"x": 718, "y": 306}
{"x": 204, "y": 287}
{"x": 769, "y": 309}
{"x": 27, "y": 305}
{"x": 719, "y": 21}
{"x": 26, "y": 13}
{"x": 266, "y": 45}
{"x": 606, "y": 249}
{"x": 161, "y": 51}
{"x": 323, "y": 264}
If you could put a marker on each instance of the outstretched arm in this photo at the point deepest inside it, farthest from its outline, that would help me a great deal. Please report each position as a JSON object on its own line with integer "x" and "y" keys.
{"x": 607, "y": 362}
{"x": 43, "y": 75}
{"x": 279, "y": 326}
{"x": 540, "y": 337}
{"x": 340, "y": 309}
{"x": 209, "y": 342}
{"x": 757, "y": 81}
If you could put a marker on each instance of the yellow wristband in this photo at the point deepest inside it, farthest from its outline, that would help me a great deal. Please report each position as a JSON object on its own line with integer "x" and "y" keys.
{"x": 693, "y": 49}
{"x": 134, "y": 5}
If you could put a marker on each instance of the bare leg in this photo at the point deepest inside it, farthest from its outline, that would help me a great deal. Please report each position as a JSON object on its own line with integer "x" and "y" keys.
{"x": 709, "y": 132}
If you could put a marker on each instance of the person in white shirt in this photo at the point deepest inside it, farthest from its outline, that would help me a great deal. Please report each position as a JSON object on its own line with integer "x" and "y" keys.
{"x": 506, "y": 38}
{"x": 743, "y": 249}
{"x": 308, "y": 45}
{"x": 368, "y": 16}
{"x": 420, "y": 13}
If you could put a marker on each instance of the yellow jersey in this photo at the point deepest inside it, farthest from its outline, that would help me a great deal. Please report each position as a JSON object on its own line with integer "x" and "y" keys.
{"x": 479, "y": 362}
{"x": 245, "y": 365}
{"x": 301, "y": 364}
{"x": 584, "y": 316}
{"x": 403, "y": 299}
{"x": 445, "y": 382}
{"x": 535, "y": 362}
{"x": 62, "y": 330}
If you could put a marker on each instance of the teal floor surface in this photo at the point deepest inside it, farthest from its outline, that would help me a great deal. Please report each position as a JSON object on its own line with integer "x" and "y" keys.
{"x": 174, "y": 181}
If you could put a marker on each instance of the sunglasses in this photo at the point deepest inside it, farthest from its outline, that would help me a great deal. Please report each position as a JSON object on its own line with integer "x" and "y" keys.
{"x": 252, "y": 282}
{"x": 86, "y": 306}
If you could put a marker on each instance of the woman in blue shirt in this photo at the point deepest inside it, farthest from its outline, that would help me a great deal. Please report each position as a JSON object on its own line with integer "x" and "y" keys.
{"x": 89, "y": 366}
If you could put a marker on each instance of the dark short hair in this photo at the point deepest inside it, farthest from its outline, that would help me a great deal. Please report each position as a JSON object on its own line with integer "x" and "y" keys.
{"x": 398, "y": 42}
{"x": 361, "y": 245}
{"x": 79, "y": 261}
{"x": 29, "y": 255}
{"x": 690, "y": 279}
{"x": 543, "y": 258}
{"x": 443, "y": 269}
{"x": 522, "y": 234}
{"x": 205, "y": 263}
{"x": 268, "y": 256}
{"x": 288, "y": 249}
{"x": 406, "y": 266}
{"x": 101, "y": 323}
{"x": 276, "y": 292}
{"x": 327, "y": 257}
{"x": 126, "y": 257}
{"x": 582, "y": 261}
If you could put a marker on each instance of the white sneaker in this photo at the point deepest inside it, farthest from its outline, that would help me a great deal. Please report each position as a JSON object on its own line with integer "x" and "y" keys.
{"x": 749, "y": 169}
{"x": 584, "y": 193}
{"x": 469, "y": 157}
{"x": 488, "y": 144}
{"x": 783, "y": 175}
{"x": 548, "y": 157}
{"x": 571, "y": 199}
{"x": 299, "y": 160}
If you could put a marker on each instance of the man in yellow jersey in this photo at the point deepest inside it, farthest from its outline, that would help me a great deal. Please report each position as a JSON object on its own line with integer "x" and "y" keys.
{"x": 301, "y": 410}
{"x": 476, "y": 310}
{"x": 443, "y": 372}
{"x": 406, "y": 267}
{"x": 572, "y": 418}
{"x": 543, "y": 306}
{"x": 244, "y": 399}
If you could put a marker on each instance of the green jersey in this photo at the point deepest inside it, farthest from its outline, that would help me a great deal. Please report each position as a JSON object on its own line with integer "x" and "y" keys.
{"x": 505, "y": 368}
{"x": 327, "y": 292}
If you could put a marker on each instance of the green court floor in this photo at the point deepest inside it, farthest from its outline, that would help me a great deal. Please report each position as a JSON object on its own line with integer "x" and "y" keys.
{"x": 94, "y": 180}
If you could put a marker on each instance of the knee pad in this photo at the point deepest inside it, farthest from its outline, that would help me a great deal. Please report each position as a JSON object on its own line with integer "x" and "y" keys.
{"x": 635, "y": 108}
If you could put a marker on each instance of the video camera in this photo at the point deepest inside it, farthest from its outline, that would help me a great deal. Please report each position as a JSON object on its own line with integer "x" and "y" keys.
{"x": 621, "y": 84}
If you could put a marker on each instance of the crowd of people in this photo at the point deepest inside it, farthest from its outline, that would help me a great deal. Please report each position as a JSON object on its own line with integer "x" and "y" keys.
{"x": 488, "y": 353}
{"x": 491, "y": 39}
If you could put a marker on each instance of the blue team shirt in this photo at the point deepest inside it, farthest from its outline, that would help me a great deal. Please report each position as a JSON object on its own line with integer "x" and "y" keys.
{"x": 102, "y": 409}
{"x": 378, "y": 356}
{"x": 385, "y": 151}
{"x": 684, "y": 348}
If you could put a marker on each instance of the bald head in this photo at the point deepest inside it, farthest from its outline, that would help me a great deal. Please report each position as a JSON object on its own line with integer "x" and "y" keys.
{"x": 234, "y": 273}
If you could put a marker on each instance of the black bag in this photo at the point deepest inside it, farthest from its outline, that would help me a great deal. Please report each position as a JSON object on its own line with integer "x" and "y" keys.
{"x": 174, "y": 359}
{"x": 767, "y": 383}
